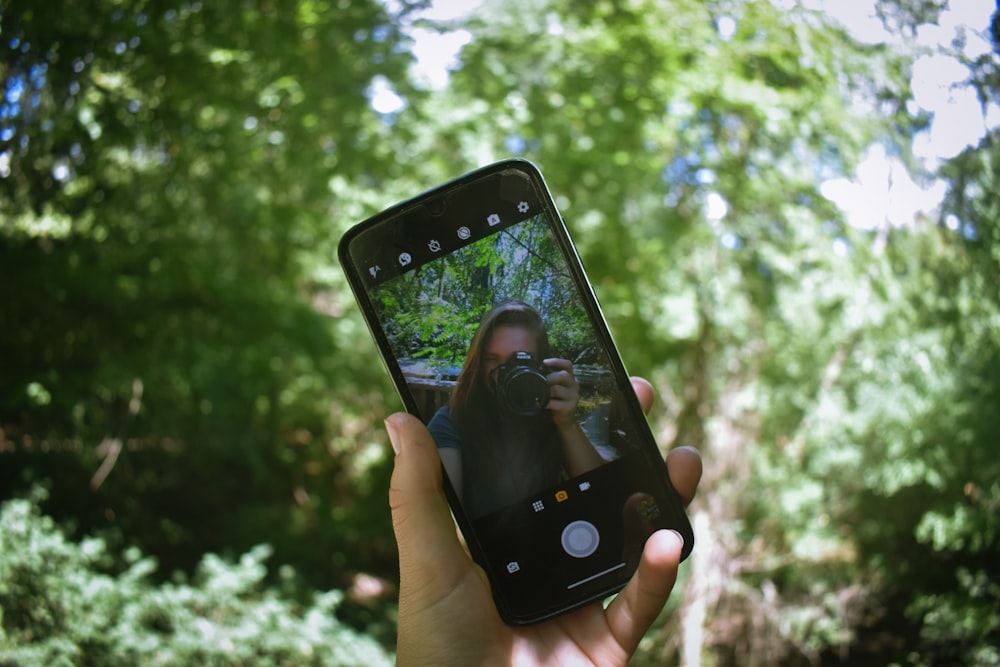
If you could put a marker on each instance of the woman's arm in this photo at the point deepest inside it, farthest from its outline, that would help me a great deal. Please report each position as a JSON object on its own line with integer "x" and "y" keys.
{"x": 581, "y": 456}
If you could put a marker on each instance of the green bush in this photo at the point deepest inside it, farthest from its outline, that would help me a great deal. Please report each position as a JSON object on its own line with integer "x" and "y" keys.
{"x": 60, "y": 606}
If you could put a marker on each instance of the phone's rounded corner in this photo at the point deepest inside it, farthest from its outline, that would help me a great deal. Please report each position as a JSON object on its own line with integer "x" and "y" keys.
{"x": 519, "y": 164}
{"x": 688, "y": 547}
{"x": 520, "y": 161}
{"x": 344, "y": 246}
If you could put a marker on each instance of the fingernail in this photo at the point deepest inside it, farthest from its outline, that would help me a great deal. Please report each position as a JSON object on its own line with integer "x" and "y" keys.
{"x": 393, "y": 436}
{"x": 680, "y": 538}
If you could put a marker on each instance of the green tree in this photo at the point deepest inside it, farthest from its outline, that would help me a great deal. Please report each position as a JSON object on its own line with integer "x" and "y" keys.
{"x": 181, "y": 358}
{"x": 687, "y": 147}
{"x": 174, "y": 346}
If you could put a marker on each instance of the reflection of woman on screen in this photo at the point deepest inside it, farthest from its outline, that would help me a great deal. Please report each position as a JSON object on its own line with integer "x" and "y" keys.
{"x": 494, "y": 456}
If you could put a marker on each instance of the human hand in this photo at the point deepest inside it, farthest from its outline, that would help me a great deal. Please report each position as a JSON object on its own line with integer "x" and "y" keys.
{"x": 565, "y": 391}
{"x": 446, "y": 613}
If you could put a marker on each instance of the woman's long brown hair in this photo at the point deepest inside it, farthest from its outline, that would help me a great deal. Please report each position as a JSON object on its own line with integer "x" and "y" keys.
{"x": 479, "y": 421}
{"x": 472, "y": 389}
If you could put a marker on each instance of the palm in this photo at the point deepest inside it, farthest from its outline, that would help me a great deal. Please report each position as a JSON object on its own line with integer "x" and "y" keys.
{"x": 466, "y": 629}
{"x": 582, "y": 637}
{"x": 446, "y": 612}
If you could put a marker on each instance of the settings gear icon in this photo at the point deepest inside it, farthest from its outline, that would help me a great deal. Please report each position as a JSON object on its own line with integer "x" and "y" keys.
{"x": 523, "y": 207}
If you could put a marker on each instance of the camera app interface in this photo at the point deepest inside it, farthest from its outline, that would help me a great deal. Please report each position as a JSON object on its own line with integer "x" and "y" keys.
{"x": 507, "y": 370}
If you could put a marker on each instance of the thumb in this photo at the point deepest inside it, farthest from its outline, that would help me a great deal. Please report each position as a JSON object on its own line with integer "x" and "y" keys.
{"x": 431, "y": 559}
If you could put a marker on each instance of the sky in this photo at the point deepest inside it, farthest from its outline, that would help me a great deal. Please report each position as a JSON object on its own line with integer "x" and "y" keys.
{"x": 881, "y": 189}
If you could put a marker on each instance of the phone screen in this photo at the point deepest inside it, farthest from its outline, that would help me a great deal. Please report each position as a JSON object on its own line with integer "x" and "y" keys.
{"x": 492, "y": 334}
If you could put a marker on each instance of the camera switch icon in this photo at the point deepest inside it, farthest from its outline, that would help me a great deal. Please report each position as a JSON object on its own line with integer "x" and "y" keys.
{"x": 513, "y": 567}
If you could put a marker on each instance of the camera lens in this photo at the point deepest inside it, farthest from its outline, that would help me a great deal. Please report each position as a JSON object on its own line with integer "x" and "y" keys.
{"x": 436, "y": 207}
{"x": 523, "y": 388}
{"x": 527, "y": 392}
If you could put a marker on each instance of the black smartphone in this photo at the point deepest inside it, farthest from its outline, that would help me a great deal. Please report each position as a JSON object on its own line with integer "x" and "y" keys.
{"x": 487, "y": 324}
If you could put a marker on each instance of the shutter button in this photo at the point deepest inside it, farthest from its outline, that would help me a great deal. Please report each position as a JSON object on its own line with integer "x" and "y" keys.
{"x": 580, "y": 539}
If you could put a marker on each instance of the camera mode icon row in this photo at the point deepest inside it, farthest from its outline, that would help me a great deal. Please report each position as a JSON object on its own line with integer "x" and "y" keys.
{"x": 561, "y": 496}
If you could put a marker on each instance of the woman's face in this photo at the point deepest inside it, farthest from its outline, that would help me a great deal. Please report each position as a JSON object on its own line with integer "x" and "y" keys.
{"x": 505, "y": 341}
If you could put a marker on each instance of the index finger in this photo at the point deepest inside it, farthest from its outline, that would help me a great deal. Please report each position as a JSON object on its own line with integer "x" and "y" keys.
{"x": 561, "y": 364}
{"x": 644, "y": 391}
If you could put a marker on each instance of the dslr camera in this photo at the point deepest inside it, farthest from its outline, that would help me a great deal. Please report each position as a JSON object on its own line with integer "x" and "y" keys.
{"x": 521, "y": 385}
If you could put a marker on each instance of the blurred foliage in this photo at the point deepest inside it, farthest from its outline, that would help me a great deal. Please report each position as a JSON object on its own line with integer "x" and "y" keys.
{"x": 182, "y": 365}
{"x": 165, "y": 237}
{"x": 61, "y": 607}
